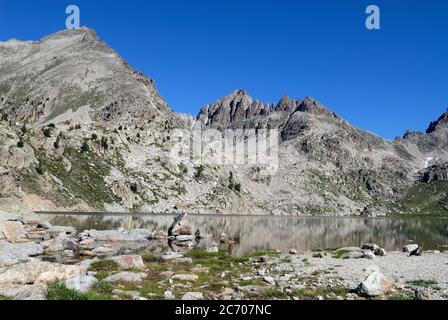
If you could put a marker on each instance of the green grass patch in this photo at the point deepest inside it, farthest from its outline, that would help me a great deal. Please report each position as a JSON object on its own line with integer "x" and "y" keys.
{"x": 216, "y": 261}
{"x": 85, "y": 179}
{"x": 338, "y": 253}
{"x": 286, "y": 260}
{"x": 251, "y": 282}
{"x": 104, "y": 265}
{"x": 271, "y": 293}
{"x": 148, "y": 257}
{"x": 425, "y": 199}
{"x": 422, "y": 283}
{"x": 103, "y": 287}
{"x": 400, "y": 296}
{"x": 58, "y": 291}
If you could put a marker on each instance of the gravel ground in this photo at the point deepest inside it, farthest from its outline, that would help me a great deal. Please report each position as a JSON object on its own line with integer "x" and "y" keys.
{"x": 428, "y": 272}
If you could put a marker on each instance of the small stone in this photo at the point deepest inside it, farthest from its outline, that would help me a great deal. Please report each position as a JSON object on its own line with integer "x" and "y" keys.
{"x": 171, "y": 256}
{"x": 422, "y": 294}
{"x": 269, "y": 280}
{"x": 214, "y": 249}
{"x": 380, "y": 252}
{"x": 183, "y": 238}
{"x": 185, "y": 277}
{"x": 200, "y": 269}
{"x": 193, "y": 296}
{"x": 227, "y": 292}
{"x": 169, "y": 295}
{"x": 223, "y": 238}
{"x": 292, "y": 251}
{"x": 44, "y": 225}
{"x": 370, "y": 246}
{"x": 410, "y": 247}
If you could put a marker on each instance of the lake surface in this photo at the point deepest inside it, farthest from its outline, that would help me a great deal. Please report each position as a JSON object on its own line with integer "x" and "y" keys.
{"x": 280, "y": 232}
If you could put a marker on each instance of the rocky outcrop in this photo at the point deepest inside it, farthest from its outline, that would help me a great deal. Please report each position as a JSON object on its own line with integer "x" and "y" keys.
{"x": 435, "y": 172}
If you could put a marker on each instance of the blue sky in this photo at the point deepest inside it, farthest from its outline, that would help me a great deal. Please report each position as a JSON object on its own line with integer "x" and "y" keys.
{"x": 197, "y": 51}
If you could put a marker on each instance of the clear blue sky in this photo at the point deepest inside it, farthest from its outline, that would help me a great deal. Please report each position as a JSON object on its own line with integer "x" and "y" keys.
{"x": 384, "y": 81}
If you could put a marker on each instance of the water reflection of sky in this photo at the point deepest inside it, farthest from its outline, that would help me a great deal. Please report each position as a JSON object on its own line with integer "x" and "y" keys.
{"x": 272, "y": 232}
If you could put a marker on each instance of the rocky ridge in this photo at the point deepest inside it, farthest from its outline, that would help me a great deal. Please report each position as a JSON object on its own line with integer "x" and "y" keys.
{"x": 82, "y": 130}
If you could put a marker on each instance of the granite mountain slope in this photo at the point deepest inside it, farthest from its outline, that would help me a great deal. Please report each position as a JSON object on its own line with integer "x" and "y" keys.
{"x": 82, "y": 130}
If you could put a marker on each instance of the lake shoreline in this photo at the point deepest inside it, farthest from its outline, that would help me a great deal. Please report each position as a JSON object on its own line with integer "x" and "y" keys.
{"x": 132, "y": 264}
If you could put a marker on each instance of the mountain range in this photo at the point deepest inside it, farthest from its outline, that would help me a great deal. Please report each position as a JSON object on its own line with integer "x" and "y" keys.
{"x": 81, "y": 130}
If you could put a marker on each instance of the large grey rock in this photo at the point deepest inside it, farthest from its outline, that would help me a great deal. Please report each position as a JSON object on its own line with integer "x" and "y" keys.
{"x": 8, "y": 259}
{"x": 116, "y": 235}
{"x": 21, "y": 249}
{"x": 15, "y": 209}
{"x": 12, "y": 230}
{"x": 81, "y": 282}
{"x": 57, "y": 230}
{"x": 38, "y": 272}
{"x": 129, "y": 261}
{"x": 88, "y": 262}
{"x": 24, "y": 292}
{"x": 126, "y": 277}
{"x": 60, "y": 243}
{"x": 375, "y": 284}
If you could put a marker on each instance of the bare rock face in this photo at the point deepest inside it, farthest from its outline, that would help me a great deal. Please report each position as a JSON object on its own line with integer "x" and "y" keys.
{"x": 435, "y": 172}
{"x": 25, "y": 292}
{"x": 239, "y": 110}
{"x": 70, "y": 69}
{"x": 38, "y": 272}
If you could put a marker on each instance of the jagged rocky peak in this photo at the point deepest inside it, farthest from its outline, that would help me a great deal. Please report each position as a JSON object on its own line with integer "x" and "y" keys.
{"x": 240, "y": 107}
{"x": 69, "y": 73}
{"x": 440, "y": 123}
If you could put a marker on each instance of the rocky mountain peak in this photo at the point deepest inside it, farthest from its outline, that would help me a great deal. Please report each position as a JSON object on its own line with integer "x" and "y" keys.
{"x": 441, "y": 122}
{"x": 70, "y": 72}
{"x": 239, "y": 107}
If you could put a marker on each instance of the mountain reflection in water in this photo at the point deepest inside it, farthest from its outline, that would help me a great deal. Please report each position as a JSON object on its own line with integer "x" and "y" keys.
{"x": 280, "y": 232}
